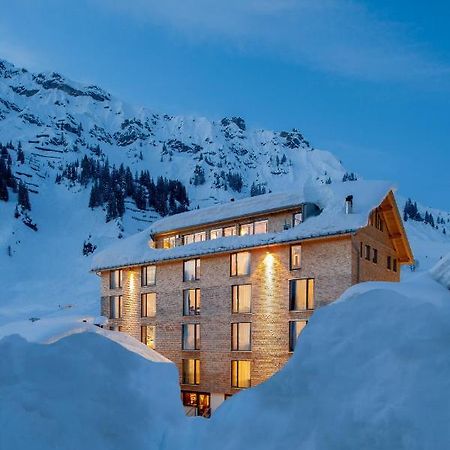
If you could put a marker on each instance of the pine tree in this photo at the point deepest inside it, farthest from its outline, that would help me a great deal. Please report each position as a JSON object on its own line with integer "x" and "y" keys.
{"x": 3, "y": 190}
{"x": 20, "y": 154}
{"x": 23, "y": 198}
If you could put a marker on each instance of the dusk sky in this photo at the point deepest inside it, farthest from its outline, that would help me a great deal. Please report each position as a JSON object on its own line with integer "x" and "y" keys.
{"x": 368, "y": 81}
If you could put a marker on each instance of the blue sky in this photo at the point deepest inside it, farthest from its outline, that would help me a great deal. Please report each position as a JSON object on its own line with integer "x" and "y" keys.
{"x": 369, "y": 81}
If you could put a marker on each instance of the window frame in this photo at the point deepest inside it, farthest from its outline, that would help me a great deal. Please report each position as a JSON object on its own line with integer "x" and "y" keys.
{"x": 196, "y": 269}
{"x": 374, "y": 255}
{"x": 144, "y": 278}
{"x": 307, "y": 300}
{"x": 367, "y": 252}
{"x": 264, "y": 221}
{"x": 291, "y": 266}
{"x": 236, "y": 326}
{"x": 120, "y": 308}
{"x": 144, "y": 311}
{"x": 237, "y": 362}
{"x": 237, "y": 274}
{"x": 295, "y": 220}
{"x": 120, "y": 279}
{"x": 197, "y": 344}
{"x": 236, "y": 300}
{"x": 196, "y": 374}
{"x": 145, "y": 341}
{"x": 231, "y": 227}
{"x": 292, "y": 343}
{"x": 249, "y": 224}
{"x": 197, "y": 293}
{"x": 216, "y": 230}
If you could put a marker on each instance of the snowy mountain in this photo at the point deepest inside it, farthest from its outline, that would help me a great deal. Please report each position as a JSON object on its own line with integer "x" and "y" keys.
{"x": 67, "y": 146}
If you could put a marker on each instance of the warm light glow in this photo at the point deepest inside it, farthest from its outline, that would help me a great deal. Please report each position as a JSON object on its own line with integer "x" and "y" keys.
{"x": 269, "y": 259}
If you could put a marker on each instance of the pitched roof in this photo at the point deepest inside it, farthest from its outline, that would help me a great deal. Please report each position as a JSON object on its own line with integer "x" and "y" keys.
{"x": 367, "y": 195}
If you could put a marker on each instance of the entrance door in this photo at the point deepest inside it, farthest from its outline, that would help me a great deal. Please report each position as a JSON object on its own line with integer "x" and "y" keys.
{"x": 196, "y": 403}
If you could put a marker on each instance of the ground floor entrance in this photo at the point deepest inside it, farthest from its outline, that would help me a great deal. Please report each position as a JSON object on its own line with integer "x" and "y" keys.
{"x": 196, "y": 403}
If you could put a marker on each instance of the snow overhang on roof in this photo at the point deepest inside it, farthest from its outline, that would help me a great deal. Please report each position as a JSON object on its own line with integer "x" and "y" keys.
{"x": 333, "y": 220}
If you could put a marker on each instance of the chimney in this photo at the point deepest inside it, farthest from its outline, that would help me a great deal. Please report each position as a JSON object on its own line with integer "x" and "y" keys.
{"x": 349, "y": 204}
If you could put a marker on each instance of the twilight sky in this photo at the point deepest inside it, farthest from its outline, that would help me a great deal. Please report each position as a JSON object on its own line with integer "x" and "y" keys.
{"x": 369, "y": 81}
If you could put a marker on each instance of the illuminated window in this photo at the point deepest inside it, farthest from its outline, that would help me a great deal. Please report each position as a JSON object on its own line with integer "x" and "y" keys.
{"x": 241, "y": 301}
{"x": 148, "y": 333}
{"x": 191, "y": 302}
{"x": 169, "y": 242}
{"x": 200, "y": 237}
{"x": 246, "y": 229}
{"x": 240, "y": 374}
{"x": 191, "y": 270}
{"x": 261, "y": 227}
{"x": 148, "y": 305}
{"x": 215, "y": 234}
{"x": 191, "y": 371}
{"x": 241, "y": 336}
{"x": 191, "y": 336}
{"x": 295, "y": 328}
{"x": 296, "y": 256}
{"x": 240, "y": 264}
{"x": 115, "y": 279}
{"x": 229, "y": 231}
{"x": 115, "y": 307}
{"x": 301, "y": 294}
{"x": 297, "y": 218}
{"x": 188, "y": 239}
{"x": 148, "y": 275}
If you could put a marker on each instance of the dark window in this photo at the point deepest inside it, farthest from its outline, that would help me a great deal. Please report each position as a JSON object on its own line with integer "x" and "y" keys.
{"x": 191, "y": 336}
{"x": 375, "y": 255}
{"x": 240, "y": 374}
{"x": 361, "y": 249}
{"x": 367, "y": 252}
{"x": 148, "y": 275}
{"x": 241, "y": 301}
{"x": 191, "y": 270}
{"x": 191, "y": 302}
{"x": 295, "y": 328}
{"x": 389, "y": 263}
{"x": 241, "y": 336}
{"x": 148, "y": 304}
{"x": 301, "y": 294}
{"x": 240, "y": 264}
{"x": 296, "y": 256}
{"x": 115, "y": 279}
{"x": 191, "y": 371}
{"x": 394, "y": 266}
{"x": 115, "y": 307}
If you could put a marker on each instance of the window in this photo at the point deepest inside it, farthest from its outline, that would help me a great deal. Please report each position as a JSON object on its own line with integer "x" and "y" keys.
{"x": 240, "y": 264}
{"x": 367, "y": 252}
{"x": 296, "y": 256}
{"x": 115, "y": 307}
{"x": 301, "y": 294}
{"x": 191, "y": 302}
{"x": 115, "y": 279}
{"x": 195, "y": 237}
{"x": 295, "y": 328}
{"x": 191, "y": 270}
{"x": 361, "y": 249}
{"x": 148, "y": 305}
{"x": 148, "y": 335}
{"x": 191, "y": 336}
{"x": 241, "y": 300}
{"x": 375, "y": 255}
{"x": 188, "y": 239}
{"x": 240, "y": 374}
{"x": 297, "y": 218}
{"x": 261, "y": 227}
{"x": 246, "y": 229}
{"x": 241, "y": 336}
{"x": 169, "y": 242}
{"x": 148, "y": 276}
{"x": 389, "y": 263}
{"x": 191, "y": 371}
{"x": 215, "y": 234}
{"x": 229, "y": 231}
{"x": 394, "y": 266}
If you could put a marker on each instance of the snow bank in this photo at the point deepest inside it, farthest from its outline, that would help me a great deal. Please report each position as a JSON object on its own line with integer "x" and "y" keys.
{"x": 441, "y": 271}
{"x": 367, "y": 195}
{"x": 371, "y": 371}
{"x": 84, "y": 392}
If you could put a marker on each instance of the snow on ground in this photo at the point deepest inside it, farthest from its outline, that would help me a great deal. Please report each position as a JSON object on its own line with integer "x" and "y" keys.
{"x": 84, "y": 392}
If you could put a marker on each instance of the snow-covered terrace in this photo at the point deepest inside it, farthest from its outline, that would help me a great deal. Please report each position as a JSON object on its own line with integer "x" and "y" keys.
{"x": 333, "y": 220}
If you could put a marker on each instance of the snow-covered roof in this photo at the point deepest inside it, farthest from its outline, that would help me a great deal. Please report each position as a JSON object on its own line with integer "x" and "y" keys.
{"x": 367, "y": 195}
{"x": 229, "y": 211}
